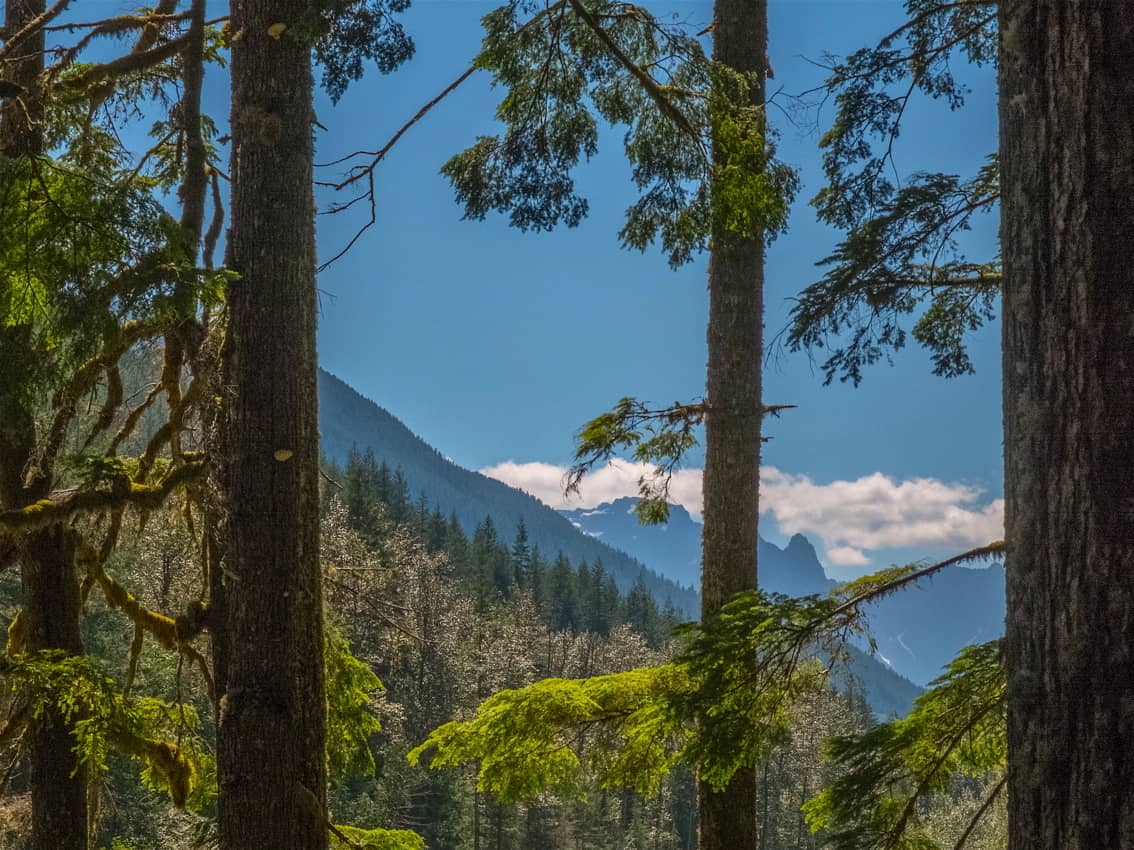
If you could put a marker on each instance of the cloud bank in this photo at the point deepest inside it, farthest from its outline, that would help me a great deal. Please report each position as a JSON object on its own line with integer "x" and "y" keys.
{"x": 850, "y": 518}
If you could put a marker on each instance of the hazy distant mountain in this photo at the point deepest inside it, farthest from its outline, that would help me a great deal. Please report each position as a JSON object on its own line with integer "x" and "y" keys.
{"x": 347, "y": 420}
{"x": 918, "y": 631}
{"x": 674, "y": 549}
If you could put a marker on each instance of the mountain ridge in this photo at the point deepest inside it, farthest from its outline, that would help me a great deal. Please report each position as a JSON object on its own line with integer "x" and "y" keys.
{"x": 349, "y": 420}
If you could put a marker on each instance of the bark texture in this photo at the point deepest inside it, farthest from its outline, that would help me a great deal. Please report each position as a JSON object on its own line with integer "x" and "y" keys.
{"x": 1067, "y": 136}
{"x": 732, "y": 427}
{"x": 21, "y": 115}
{"x": 271, "y": 749}
{"x": 50, "y": 586}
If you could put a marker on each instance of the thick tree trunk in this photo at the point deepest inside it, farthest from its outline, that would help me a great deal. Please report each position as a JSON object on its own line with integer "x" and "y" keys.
{"x": 271, "y": 749}
{"x": 50, "y": 587}
{"x": 1067, "y": 136}
{"x": 21, "y": 116}
{"x": 51, "y": 606}
{"x": 732, "y": 427}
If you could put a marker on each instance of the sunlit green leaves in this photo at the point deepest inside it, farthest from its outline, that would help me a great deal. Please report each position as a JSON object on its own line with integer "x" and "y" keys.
{"x": 351, "y": 719}
{"x": 752, "y": 192}
{"x": 160, "y": 737}
{"x": 375, "y": 839}
{"x": 535, "y": 738}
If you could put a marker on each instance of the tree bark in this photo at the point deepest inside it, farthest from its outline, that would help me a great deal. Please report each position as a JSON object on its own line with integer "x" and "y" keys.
{"x": 732, "y": 427}
{"x": 1067, "y": 132}
{"x": 271, "y": 747}
{"x": 50, "y": 587}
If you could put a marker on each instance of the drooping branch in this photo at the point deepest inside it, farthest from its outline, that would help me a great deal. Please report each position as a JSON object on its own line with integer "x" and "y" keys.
{"x": 47, "y": 512}
{"x": 123, "y": 65}
{"x": 657, "y": 436}
{"x": 170, "y": 633}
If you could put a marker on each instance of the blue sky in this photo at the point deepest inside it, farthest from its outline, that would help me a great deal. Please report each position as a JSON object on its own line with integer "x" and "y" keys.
{"x": 494, "y": 346}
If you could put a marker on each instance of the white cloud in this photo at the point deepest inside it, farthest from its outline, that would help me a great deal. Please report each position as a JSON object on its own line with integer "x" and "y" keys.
{"x": 619, "y": 478}
{"x": 850, "y": 518}
{"x": 878, "y": 512}
{"x": 847, "y": 556}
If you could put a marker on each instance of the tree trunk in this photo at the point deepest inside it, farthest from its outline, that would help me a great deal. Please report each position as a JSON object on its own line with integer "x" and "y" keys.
{"x": 51, "y": 604}
{"x": 732, "y": 427}
{"x": 47, "y": 572}
{"x": 1067, "y": 133}
{"x": 271, "y": 738}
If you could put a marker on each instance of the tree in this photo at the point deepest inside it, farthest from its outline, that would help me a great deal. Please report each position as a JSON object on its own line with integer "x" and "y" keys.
{"x": 271, "y": 750}
{"x": 93, "y": 257}
{"x": 50, "y": 584}
{"x": 1068, "y": 349}
{"x": 269, "y": 653}
{"x": 733, "y": 400}
{"x": 901, "y": 255}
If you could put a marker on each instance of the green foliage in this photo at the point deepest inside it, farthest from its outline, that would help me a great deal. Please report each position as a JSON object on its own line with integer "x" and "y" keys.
{"x": 751, "y": 191}
{"x": 725, "y": 703}
{"x": 659, "y": 437}
{"x": 958, "y": 728}
{"x": 900, "y": 254}
{"x": 82, "y": 256}
{"x": 532, "y": 739}
{"x": 753, "y": 660}
{"x": 570, "y": 65}
{"x": 348, "y": 32}
{"x": 904, "y": 255}
{"x": 50, "y": 686}
{"x": 375, "y": 839}
{"x": 351, "y": 720}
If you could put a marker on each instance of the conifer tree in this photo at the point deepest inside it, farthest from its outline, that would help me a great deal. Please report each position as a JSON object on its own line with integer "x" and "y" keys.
{"x": 733, "y": 400}
{"x": 271, "y": 749}
{"x": 1066, "y": 71}
{"x": 47, "y": 571}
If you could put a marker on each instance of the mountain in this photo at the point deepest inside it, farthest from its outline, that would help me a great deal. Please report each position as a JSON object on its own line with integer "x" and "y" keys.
{"x": 674, "y": 549}
{"x": 347, "y": 420}
{"x": 917, "y": 631}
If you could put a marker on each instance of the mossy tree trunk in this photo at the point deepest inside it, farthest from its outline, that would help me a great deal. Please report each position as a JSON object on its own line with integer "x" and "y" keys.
{"x": 1067, "y": 133}
{"x": 732, "y": 427}
{"x": 271, "y": 747}
{"x": 47, "y": 571}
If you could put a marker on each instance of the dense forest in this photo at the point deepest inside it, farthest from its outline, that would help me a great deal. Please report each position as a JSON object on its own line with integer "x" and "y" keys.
{"x": 222, "y": 634}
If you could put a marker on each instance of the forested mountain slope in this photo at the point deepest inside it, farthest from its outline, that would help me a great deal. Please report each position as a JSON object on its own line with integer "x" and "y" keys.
{"x": 348, "y": 420}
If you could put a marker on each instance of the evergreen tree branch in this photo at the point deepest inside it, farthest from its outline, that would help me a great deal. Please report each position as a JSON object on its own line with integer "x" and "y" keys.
{"x": 122, "y": 66}
{"x": 651, "y": 87}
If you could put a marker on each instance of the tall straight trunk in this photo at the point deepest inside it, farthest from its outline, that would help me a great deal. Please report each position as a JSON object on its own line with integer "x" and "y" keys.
{"x": 47, "y": 572}
{"x": 732, "y": 427}
{"x": 271, "y": 739}
{"x": 1067, "y": 133}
